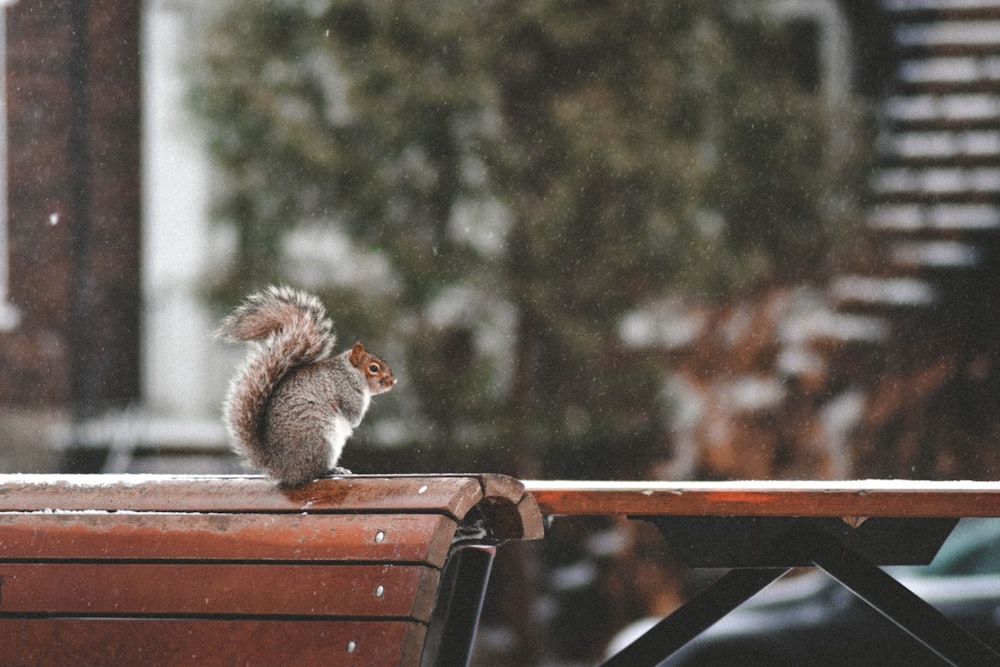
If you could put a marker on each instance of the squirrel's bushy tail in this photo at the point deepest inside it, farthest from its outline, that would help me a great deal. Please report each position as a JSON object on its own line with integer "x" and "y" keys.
{"x": 295, "y": 330}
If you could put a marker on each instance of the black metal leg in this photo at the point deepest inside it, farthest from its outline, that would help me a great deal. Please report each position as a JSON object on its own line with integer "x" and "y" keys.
{"x": 765, "y": 546}
{"x": 666, "y": 637}
{"x": 897, "y": 603}
{"x": 460, "y": 600}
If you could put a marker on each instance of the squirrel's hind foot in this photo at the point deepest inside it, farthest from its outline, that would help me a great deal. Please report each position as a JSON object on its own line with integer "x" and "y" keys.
{"x": 337, "y": 471}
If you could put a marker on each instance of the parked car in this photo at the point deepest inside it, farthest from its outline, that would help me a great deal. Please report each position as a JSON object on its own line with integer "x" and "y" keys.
{"x": 809, "y": 619}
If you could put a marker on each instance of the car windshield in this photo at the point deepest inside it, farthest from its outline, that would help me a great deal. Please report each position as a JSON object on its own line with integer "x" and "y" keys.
{"x": 972, "y": 548}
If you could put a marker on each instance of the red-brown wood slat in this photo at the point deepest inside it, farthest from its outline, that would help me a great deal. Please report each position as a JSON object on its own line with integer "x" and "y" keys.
{"x": 453, "y": 495}
{"x": 142, "y": 569}
{"x": 208, "y": 643}
{"x": 409, "y": 538}
{"x": 109, "y": 589}
{"x": 854, "y": 498}
{"x": 512, "y": 511}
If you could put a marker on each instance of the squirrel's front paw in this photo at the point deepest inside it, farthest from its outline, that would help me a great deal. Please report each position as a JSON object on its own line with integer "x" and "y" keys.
{"x": 337, "y": 471}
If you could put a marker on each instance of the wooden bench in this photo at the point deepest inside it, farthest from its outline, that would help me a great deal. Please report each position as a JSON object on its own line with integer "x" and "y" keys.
{"x": 762, "y": 529}
{"x": 156, "y": 570}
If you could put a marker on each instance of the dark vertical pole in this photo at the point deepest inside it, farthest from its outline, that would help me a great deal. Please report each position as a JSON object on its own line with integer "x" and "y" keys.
{"x": 104, "y": 210}
{"x": 83, "y": 395}
{"x": 456, "y": 613}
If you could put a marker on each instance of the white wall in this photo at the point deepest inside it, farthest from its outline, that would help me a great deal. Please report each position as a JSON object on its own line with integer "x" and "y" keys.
{"x": 184, "y": 371}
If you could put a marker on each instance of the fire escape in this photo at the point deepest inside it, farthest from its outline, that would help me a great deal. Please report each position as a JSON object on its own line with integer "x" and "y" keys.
{"x": 935, "y": 218}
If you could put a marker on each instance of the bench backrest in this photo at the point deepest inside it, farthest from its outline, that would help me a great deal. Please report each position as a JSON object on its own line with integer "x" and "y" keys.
{"x": 167, "y": 570}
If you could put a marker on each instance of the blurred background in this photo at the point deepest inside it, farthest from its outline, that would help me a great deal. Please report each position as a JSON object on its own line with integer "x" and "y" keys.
{"x": 670, "y": 240}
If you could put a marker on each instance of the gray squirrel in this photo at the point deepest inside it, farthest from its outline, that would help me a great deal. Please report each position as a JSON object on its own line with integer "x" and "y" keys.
{"x": 292, "y": 406}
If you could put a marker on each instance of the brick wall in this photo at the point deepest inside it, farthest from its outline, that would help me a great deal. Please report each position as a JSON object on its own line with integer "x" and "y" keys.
{"x": 73, "y": 161}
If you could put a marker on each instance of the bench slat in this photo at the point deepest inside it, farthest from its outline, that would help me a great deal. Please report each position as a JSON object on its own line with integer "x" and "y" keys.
{"x": 159, "y": 493}
{"x": 67, "y": 589}
{"x": 102, "y": 642}
{"x": 158, "y": 569}
{"x": 412, "y": 538}
{"x": 853, "y": 498}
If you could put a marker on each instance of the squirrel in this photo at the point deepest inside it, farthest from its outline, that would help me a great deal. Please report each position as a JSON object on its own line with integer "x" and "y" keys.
{"x": 292, "y": 406}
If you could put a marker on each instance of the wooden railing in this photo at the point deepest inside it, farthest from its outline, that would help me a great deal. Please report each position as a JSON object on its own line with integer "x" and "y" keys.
{"x": 763, "y": 529}
{"x": 391, "y": 570}
{"x": 151, "y": 570}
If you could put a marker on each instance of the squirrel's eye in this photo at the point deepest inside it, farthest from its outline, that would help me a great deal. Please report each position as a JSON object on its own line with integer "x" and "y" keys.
{"x": 373, "y": 369}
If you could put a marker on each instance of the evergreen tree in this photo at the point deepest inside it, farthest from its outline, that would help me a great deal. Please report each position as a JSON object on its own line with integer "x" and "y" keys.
{"x": 539, "y": 168}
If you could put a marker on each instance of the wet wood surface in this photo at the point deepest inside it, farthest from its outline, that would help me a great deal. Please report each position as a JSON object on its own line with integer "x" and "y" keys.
{"x": 213, "y": 589}
{"x": 236, "y": 494}
{"x": 103, "y": 642}
{"x": 453, "y": 495}
{"x": 142, "y": 569}
{"x": 402, "y": 538}
{"x": 846, "y": 499}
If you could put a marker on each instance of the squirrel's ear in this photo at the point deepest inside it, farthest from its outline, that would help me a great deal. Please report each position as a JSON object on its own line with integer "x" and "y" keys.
{"x": 357, "y": 351}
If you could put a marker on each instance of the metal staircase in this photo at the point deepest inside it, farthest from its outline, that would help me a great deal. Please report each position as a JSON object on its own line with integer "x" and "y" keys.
{"x": 935, "y": 220}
